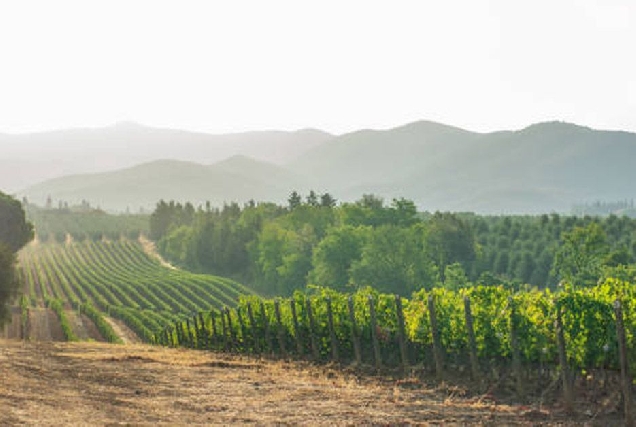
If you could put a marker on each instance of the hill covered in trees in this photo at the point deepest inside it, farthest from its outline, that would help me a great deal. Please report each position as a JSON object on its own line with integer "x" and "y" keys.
{"x": 546, "y": 167}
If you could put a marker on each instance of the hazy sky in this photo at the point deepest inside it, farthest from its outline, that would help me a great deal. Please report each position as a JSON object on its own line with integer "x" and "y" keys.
{"x": 220, "y": 66}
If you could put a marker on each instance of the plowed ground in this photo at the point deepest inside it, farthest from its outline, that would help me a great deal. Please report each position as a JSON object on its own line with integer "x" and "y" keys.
{"x": 97, "y": 383}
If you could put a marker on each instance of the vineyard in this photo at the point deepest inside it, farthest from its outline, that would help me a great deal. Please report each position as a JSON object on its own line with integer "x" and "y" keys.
{"x": 109, "y": 285}
{"x": 533, "y": 337}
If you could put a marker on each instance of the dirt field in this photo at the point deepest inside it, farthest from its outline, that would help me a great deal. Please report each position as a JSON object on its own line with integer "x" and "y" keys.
{"x": 98, "y": 384}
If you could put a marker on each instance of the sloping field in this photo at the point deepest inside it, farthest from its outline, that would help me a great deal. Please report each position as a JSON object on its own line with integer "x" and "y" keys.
{"x": 99, "y": 384}
{"x": 105, "y": 286}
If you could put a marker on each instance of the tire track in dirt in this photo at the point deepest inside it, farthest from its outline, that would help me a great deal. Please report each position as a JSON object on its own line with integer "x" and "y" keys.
{"x": 44, "y": 325}
{"x": 124, "y": 332}
{"x": 151, "y": 250}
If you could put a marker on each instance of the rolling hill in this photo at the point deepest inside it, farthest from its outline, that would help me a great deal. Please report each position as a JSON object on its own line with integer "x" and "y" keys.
{"x": 31, "y": 158}
{"x": 238, "y": 178}
{"x": 542, "y": 168}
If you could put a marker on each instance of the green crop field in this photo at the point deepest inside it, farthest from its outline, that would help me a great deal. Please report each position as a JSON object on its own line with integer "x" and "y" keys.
{"x": 116, "y": 279}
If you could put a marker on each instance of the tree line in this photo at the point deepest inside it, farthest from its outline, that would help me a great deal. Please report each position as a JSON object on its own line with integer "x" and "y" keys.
{"x": 392, "y": 247}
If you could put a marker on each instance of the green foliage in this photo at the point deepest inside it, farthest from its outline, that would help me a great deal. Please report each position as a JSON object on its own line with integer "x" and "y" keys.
{"x": 580, "y": 258}
{"x": 120, "y": 279}
{"x": 104, "y": 328}
{"x": 58, "y": 307}
{"x": 450, "y": 239}
{"x": 587, "y": 313}
{"x": 393, "y": 260}
{"x": 334, "y": 256}
{"x": 8, "y": 282}
{"x": 15, "y": 231}
{"x": 85, "y": 223}
{"x": 279, "y": 249}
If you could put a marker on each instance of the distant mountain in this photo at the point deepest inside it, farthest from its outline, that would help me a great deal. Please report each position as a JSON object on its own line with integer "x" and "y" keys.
{"x": 237, "y": 179}
{"x": 30, "y": 158}
{"x": 543, "y": 168}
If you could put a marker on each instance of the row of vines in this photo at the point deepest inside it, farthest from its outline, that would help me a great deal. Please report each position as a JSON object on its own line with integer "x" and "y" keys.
{"x": 481, "y": 327}
{"x": 118, "y": 279}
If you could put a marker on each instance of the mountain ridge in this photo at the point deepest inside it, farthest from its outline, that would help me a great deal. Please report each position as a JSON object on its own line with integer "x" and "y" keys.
{"x": 543, "y": 167}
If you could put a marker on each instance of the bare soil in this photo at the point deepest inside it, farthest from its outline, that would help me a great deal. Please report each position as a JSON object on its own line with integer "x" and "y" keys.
{"x": 123, "y": 332}
{"x": 151, "y": 250}
{"x": 83, "y": 327}
{"x": 104, "y": 384}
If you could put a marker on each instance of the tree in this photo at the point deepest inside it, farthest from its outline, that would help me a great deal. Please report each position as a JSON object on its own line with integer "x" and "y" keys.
{"x": 161, "y": 220}
{"x": 294, "y": 200}
{"x": 579, "y": 259}
{"x": 449, "y": 239}
{"x": 15, "y": 232}
{"x": 393, "y": 260}
{"x": 8, "y": 284}
{"x": 455, "y": 277}
{"x": 327, "y": 201}
{"x": 334, "y": 255}
{"x": 312, "y": 198}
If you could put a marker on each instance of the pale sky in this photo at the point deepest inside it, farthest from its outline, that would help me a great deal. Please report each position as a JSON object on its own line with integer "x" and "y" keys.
{"x": 225, "y": 66}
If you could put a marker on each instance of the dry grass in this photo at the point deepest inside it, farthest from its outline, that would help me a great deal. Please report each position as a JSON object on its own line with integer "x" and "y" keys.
{"x": 101, "y": 384}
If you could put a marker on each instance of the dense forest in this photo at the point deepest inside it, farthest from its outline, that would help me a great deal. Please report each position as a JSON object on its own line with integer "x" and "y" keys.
{"x": 390, "y": 246}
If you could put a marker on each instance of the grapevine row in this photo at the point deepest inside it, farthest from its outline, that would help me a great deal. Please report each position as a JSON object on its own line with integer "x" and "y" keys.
{"x": 503, "y": 326}
{"x": 119, "y": 279}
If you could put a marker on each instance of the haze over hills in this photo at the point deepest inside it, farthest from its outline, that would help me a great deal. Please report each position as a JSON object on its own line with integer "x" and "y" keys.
{"x": 31, "y": 158}
{"x": 542, "y": 168}
{"x": 236, "y": 179}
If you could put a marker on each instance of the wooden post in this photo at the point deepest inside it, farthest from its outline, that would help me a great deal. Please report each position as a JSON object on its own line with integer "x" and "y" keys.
{"x": 374, "y": 334}
{"x": 401, "y": 332}
{"x": 255, "y": 341}
{"x": 281, "y": 334}
{"x": 179, "y": 327}
{"x": 204, "y": 331}
{"x": 472, "y": 344}
{"x": 187, "y": 336}
{"x": 297, "y": 332}
{"x": 268, "y": 333}
{"x": 568, "y": 395}
{"x": 196, "y": 330}
{"x": 226, "y": 341}
{"x": 626, "y": 379}
{"x": 332, "y": 332}
{"x": 437, "y": 342}
{"x": 312, "y": 330}
{"x": 243, "y": 341}
{"x": 215, "y": 335}
{"x": 230, "y": 327}
{"x": 514, "y": 346}
{"x": 355, "y": 338}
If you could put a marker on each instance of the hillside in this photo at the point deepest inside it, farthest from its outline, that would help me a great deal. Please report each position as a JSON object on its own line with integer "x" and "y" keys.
{"x": 237, "y": 178}
{"x": 31, "y": 158}
{"x": 545, "y": 167}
